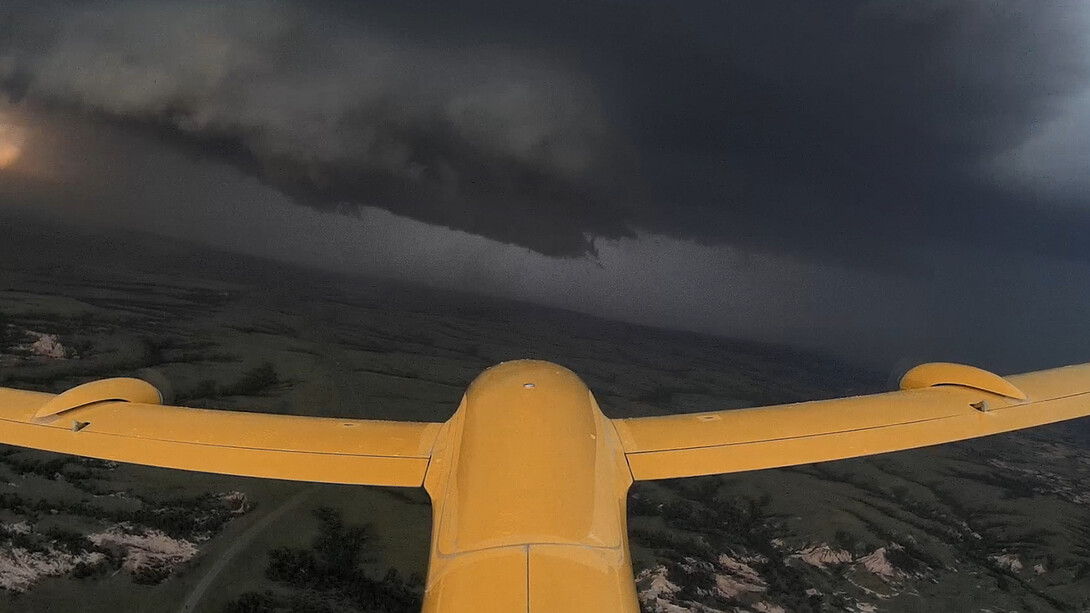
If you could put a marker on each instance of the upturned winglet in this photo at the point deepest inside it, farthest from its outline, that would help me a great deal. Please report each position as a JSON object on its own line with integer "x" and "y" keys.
{"x": 947, "y": 373}
{"x": 120, "y": 389}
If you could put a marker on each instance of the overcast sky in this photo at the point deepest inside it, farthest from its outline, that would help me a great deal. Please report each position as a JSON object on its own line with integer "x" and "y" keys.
{"x": 883, "y": 179}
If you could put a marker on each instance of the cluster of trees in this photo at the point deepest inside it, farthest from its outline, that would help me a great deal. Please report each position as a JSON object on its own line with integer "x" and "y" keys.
{"x": 72, "y": 329}
{"x": 253, "y": 382}
{"x": 57, "y": 539}
{"x": 328, "y": 577}
{"x": 5, "y": 333}
{"x": 189, "y": 518}
{"x": 45, "y": 468}
{"x": 724, "y": 524}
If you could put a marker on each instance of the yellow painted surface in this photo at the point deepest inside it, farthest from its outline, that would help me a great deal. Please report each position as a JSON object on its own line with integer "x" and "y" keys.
{"x": 581, "y": 579}
{"x": 945, "y": 373}
{"x": 769, "y": 437}
{"x": 534, "y": 462}
{"x": 488, "y": 581}
{"x": 528, "y": 462}
{"x": 529, "y": 479}
{"x": 230, "y": 442}
{"x": 120, "y": 389}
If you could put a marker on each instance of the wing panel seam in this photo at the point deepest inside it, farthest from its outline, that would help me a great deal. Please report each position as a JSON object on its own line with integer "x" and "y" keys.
{"x": 794, "y": 438}
{"x": 999, "y": 410}
{"x": 220, "y": 446}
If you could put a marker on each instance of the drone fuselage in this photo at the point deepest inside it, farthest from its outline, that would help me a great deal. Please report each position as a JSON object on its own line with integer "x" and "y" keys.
{"x": 528, "y": 482}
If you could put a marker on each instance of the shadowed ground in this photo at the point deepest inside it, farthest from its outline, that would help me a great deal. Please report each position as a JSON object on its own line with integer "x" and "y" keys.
{"x": 1000, "y": 523}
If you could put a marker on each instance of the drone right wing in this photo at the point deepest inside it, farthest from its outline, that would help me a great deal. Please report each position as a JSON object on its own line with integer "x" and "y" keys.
{"x": 938, "y": 403}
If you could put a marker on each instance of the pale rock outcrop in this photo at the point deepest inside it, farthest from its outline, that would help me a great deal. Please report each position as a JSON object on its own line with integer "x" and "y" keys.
{"x": 739, "y": 567}
{"x": 18, "y": 528}
{"x": 739, "y": 578}
{"x": 1008, "y": 561}
{"x": 729, "y": 587}
{"x": 236, "y": 502}
{"x": 877, "y": 564}
{"x": 824, "y": 556}
{"x": 692, "y": 565}
{"x": 657, "y": 594}
{"x": 47, "y": 346}
{"x": 20, "y": 568}
{"x": 150, "y": 549}
{"x": 655, "y": 591}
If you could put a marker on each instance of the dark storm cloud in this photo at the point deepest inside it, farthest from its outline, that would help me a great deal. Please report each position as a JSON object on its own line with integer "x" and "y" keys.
{"x": 335, "y": 112}
{"x": 829, "y": 130}
{"x": 853, "y": 127}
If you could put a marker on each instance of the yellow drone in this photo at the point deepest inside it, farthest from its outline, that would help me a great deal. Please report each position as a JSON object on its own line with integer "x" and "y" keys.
{"x": 528, "y": 479}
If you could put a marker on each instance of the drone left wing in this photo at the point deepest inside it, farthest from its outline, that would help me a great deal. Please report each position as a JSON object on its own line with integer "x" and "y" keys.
{"x": 122, "y": 420}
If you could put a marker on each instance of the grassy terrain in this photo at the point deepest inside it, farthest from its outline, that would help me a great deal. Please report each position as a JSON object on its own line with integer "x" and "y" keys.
{"x": 228, "y": 332}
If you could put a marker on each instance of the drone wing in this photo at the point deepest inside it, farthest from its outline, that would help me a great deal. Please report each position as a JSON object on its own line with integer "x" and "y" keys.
{"x": 122, "y": 420}
{"x": 938, "y": 403}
